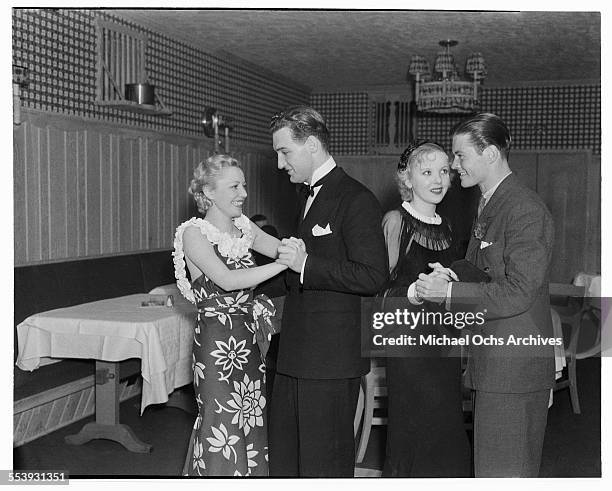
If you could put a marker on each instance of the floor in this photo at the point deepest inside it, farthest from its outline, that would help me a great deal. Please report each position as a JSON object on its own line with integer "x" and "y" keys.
{"x": 572, "y": 446}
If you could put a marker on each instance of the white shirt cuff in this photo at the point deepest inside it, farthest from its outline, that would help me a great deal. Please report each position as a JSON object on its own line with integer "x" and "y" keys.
{"x": 302, "y": 270}
{"x": 412, "y": 297}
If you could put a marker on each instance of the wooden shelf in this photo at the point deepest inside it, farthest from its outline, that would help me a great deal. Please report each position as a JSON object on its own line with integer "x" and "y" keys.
{"x": 134, "y": 107}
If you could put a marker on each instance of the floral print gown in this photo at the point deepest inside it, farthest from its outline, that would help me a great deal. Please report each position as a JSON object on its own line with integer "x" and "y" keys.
{"x": 229, "y": 436}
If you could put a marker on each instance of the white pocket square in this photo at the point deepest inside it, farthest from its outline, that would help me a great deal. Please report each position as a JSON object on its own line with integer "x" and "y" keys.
{"x": 318, "y": 231}
{"x": 484, "y": 243}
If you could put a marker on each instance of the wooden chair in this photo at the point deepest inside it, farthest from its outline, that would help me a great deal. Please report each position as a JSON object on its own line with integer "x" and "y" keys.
{"x": 372, "y": 392}
{"x": 568, "y": 307}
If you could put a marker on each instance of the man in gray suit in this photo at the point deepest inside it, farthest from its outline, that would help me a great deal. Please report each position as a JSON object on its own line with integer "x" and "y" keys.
{"x": 512, "y": 242}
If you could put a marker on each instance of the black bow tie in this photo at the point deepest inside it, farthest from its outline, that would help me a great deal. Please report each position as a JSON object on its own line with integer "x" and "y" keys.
{"x": 310, "y": 189}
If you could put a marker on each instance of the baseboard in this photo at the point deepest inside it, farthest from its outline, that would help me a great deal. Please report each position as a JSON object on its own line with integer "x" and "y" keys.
{"x": 45, "y": 412}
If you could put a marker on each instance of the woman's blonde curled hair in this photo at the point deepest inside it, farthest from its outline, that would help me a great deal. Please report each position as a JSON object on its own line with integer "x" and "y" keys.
{"x": 206, "y": 174}
{"x": 413, "y": 155}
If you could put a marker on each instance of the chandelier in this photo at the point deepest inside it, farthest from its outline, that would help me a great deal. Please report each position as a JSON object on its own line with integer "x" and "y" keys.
{"x": 445, "y": 92}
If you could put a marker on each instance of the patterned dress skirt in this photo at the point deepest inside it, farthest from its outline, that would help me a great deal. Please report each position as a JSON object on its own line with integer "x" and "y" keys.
{"x": 229, "y": 436}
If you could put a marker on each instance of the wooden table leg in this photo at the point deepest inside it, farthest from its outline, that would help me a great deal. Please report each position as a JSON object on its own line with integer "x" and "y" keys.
{"x": 107, "y": 424}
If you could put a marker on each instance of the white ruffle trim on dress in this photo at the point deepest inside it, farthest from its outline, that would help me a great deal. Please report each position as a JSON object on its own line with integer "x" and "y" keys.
{"x": 434, "y": 220}
{"x": 228, "y": 246}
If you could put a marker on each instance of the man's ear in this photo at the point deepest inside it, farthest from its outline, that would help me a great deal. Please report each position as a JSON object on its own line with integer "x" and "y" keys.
{"x": 491, "y": 153}
{"x": 312, "y": 144}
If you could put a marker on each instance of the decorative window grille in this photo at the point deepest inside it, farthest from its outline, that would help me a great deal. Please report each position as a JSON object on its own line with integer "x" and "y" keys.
{"x": 392, "y": 125}
{"x": 121, "y": 60}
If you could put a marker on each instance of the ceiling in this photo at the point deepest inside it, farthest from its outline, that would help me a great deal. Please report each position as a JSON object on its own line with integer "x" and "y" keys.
{"x": 354, "y": 48}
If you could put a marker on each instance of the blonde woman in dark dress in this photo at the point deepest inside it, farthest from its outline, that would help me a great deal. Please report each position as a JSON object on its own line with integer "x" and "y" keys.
{"x": 425, "y": 433}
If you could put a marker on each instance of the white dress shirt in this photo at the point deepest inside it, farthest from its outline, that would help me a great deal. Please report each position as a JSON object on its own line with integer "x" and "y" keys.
{"x": 319, "y": 173}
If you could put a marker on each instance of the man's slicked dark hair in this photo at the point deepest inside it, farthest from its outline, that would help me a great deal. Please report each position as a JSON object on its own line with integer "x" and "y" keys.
{"x": 302, "y": 121}
{"x": 486, "y": 129}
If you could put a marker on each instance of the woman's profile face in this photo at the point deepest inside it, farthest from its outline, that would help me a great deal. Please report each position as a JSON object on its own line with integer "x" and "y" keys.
{"x": 229, "y": 192}
{"x": 429, "y": 179}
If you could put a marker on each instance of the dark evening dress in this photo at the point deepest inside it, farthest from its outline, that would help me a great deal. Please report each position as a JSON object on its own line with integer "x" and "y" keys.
{"x": 229, "y": 436}
{"x": 425, "y": 432}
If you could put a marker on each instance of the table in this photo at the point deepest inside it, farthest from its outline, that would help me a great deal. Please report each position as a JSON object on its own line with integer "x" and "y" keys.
{"x": 110, "y": 331}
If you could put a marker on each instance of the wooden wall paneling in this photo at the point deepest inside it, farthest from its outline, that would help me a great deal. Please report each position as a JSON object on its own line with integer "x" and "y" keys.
{"x": 72, "y": 206}
{"x": 525, "y": 166}
{"x": 186, "y": 166}
{"x": 159, "y": 188}
{"x": 136, "y": 186}
{"x": 152, "y": 192}
{"x": 93, "y": 186}
{"x": 116, "y": 211}
{"x": 180, "y": 183}
{"x": 125, "y": 194}
{"x": 201, "y": 154}
{"x": 177, "y": 152}
{"x": 377, "y": 174}
{"x": 20, "y": 231}
{"x": 43, "y": 191}
{"x": 562, "y": 184}
{"x": 593, "y": 230}
{"x": 167, "y": 226}
{"x": 143, "y": 214}
{"x": 105, "y": 172}
{"x": 58, "y": 235}
{"x": 85, "y": 188}
{"x": 32, "y": 192}
{"x": 253, "y": 203}
{"x": 190, "y": 208}
{"x": 81, "y": 192}
{"x": 263, "y": 181}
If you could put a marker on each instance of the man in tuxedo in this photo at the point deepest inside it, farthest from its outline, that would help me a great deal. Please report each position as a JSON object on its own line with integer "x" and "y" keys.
{"x": 342, "y": 257}
{"x": 512, "y": 242}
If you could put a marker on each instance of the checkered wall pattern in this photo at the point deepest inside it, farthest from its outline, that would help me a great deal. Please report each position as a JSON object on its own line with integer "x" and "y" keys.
{"x": 551, "y": 117}
{"x": 58, "y": 47}
{"x": 347, "y": 120}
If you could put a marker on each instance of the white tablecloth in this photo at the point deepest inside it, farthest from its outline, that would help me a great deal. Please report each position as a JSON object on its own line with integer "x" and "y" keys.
{"x": 113, "y": 330}
{"x": 591, "y": 282}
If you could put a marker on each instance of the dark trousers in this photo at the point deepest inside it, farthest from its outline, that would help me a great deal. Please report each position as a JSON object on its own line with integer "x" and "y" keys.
{"x": 509, "y": 433}
{"x": 311, "y": 427}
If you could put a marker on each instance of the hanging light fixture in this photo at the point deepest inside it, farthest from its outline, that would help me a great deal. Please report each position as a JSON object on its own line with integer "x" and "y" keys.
{"x": 445, "y": 92}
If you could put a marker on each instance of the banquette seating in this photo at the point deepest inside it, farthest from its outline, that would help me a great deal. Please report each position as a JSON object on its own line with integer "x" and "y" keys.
{"x": 43, "y": 287}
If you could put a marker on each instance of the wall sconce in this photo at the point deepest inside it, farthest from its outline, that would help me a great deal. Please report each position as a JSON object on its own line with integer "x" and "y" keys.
{"x": 213, "y": 122}
{"x": 20, "y": 79}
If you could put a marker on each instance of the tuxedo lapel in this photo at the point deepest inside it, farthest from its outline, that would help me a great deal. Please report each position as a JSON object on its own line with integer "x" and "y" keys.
{"x": 303, "y": 197}
{"x": 322, "y": 202}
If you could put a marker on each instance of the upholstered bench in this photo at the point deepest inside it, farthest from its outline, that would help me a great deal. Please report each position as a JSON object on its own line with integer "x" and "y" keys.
{"x": 43, "y": 287}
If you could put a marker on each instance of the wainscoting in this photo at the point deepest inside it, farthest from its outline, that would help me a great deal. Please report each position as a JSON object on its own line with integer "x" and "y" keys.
{"x": 84, "y": 188}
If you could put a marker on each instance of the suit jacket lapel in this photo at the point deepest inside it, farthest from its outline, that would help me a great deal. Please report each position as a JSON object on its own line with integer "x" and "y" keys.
{"x": 303, "y": 197}
{"x": 325, "y": 194}
{"x": 489, "y": 211}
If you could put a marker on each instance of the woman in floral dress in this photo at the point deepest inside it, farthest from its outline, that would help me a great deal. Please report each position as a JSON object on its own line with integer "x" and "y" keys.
{"x": 230, "y": 433}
